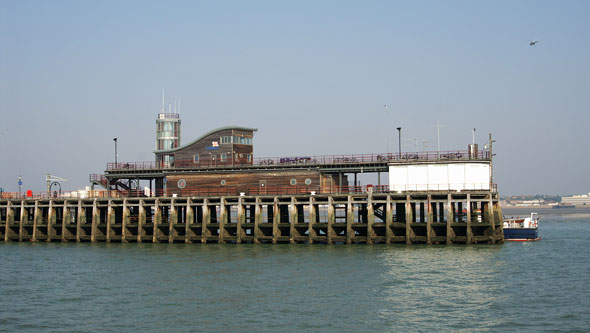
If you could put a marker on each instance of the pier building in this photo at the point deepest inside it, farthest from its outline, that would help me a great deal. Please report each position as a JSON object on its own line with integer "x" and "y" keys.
{"x": 214, "y": 189}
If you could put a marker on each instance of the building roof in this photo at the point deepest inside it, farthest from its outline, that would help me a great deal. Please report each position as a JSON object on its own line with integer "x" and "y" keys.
{"x": 206, "y": 135}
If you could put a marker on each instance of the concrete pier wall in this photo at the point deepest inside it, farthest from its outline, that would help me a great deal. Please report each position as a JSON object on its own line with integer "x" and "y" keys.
{"x": 470, "y": 217}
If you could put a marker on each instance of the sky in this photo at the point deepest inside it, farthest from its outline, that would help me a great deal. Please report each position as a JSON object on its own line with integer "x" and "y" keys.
{"x": 312, "y": 76}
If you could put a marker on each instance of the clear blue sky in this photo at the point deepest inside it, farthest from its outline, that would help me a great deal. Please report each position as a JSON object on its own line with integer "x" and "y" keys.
{"x": 312, "y": 76}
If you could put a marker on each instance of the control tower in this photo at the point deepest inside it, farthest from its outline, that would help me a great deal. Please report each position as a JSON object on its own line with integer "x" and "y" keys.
{"x": 167, "y": 133}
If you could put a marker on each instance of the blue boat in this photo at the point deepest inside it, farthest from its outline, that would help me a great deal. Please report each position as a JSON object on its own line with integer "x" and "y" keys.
{"x": 522, "y": 228}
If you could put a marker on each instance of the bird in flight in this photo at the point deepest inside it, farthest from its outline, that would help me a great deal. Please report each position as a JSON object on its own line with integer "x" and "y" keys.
{"x": 533, "y": 42}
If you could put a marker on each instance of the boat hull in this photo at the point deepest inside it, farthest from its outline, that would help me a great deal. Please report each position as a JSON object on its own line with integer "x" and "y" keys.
{"x": 521, "y": 234}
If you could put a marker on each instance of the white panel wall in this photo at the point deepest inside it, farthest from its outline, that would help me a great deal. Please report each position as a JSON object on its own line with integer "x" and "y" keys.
{"x": 417, "y": 177}
{"x": 456, "y": 176}
{"x": 438, "y": 174}
{"x": 434, "y": 177}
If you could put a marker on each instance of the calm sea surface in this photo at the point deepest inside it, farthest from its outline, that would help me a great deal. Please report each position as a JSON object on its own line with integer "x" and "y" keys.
{"x": 534, "y": 286}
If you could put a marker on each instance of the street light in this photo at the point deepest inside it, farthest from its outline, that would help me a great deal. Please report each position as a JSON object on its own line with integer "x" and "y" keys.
{"x": 20, "y": 183}
{"x": 399, "y": 130}
{"x": 115, "y": 139}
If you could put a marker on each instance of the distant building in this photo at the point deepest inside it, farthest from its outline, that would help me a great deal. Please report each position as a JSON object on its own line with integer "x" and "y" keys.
{"x": 578, "y": 200}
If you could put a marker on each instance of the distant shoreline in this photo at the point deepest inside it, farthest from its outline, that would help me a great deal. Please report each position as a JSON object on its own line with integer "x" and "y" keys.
{"x": 543, "y": 206}
{"x": 530, "y": 206}
{"x": 544, "y": 210}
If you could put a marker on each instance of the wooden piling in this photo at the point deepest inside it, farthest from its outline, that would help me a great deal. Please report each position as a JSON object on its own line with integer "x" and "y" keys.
{"x": 418, "y": 218}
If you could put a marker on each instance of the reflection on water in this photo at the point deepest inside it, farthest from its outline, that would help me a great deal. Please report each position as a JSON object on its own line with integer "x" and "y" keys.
{"x": 213, "y": 287}
{"x": 451, "y": 281}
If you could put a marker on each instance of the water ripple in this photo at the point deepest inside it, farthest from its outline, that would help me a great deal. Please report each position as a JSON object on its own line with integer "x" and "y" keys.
{"x": 541, "y": 286}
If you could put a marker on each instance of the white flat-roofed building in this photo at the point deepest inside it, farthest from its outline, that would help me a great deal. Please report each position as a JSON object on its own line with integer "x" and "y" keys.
{"x": 578, "y": 200}
{"x": 440, "y": 176}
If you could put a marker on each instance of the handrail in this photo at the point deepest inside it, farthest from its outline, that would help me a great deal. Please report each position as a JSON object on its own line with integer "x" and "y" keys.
{"x": 253, "y": 190}
{"x": 352, "y": 159}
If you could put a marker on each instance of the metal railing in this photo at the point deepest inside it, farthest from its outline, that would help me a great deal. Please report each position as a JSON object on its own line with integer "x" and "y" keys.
{"x": 456, "y": 155}
{"x": 249, "y": 191}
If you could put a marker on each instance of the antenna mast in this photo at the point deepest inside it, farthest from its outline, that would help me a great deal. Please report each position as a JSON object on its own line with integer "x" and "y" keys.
{"x": 438, "y": 125}
{"x": 163, "y": 105}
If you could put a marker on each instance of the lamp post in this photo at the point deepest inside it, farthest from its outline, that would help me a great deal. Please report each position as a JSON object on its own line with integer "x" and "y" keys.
{"x": 115, "y": 139}
{"x": 399, "y": 130}
{"x": 20, "y": 183}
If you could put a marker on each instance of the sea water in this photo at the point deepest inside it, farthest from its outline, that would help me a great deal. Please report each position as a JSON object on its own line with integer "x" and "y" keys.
{"x": 516, "y": 286}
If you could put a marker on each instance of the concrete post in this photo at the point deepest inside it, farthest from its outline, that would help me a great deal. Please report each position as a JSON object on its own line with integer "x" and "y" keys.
{"x": 450, "y": 218}
{"x": 312, "y": 217}
{"x": 409, "y": 219}
{"x": 429, "y": 221}
{"x": 491, "y": 217}
{"x": 110, "y": 220}
{"x": 370, "y": 218}
{"x": 388, "y": 220}
{"x": 206, "y": 221}
{"x": 275, "y": 221}
{"x": 81, "y": 215}
{"x": 173, "y": 220}
{"x": 36, "y": 218}
{"x": 190, "y": 216}
{"x": 293, "y": 218}
{"x": 157, "y": 218}
{"x": 66, "y": 220}
{"x": 9, "y": 221}
{"x": 95, "y": 220}
{"x": 241, "y": 220}
{"x": 51, "y": 221}
{"x": 257, "y": 220}
{"x": 125, "y": 221}
{"x": 469, "y": 232}
{"x": 222, "y": 221}
{"x": 331, "y": 220}
{"x": 23, "y": 218}
{"x": 349, "y": 221}
{"x": 141, "y": 219}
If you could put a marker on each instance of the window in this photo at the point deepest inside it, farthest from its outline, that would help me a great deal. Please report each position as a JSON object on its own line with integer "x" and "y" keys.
{"x": 249, "y": 158}
{"x": 196, "y": 158}
{"x": 242, "y": 140}
{"x": 225, "y": 139}
{"x": 223, "y": 157}
{"x": 293, "y": 181}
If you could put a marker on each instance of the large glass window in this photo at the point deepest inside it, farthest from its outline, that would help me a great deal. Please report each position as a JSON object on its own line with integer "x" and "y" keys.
{"x": 243, "y": 140}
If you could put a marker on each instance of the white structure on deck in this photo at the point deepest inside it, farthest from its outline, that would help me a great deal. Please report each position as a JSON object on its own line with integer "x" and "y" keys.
{"x": 440, "y": 176}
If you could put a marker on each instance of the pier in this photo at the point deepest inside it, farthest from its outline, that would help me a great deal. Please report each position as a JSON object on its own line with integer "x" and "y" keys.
{"x": 430, "y": 217}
